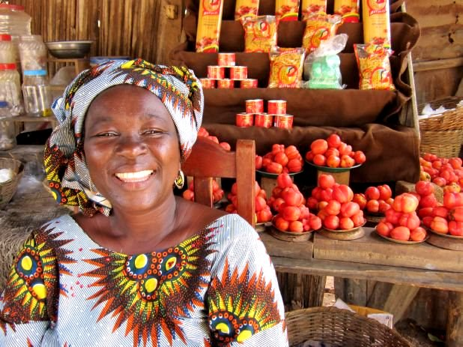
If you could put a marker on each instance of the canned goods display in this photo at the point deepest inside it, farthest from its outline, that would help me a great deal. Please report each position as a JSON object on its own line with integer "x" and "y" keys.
{"x": 255, "y": 106}
{"x": 215, "y": 72}
{"x": 207, "y": 83}
{"x": 239, "y": 72}
{"x": 244, "y": 120}
{"x": 284, "y": 121}
{"x": 227, "y": 59}
{"x": 226, "y": 83}
{"x": 248, "y": 83}
{"x": 263, "y": 120}
{"x": 276, "y": 106}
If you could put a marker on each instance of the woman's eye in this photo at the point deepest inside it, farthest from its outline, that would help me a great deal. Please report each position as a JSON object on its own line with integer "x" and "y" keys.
{"x": 153, "y": 132}
{"x": 106, "y": 134}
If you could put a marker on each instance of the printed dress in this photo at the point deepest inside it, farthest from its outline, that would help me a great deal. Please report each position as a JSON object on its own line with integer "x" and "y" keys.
{"x": 217, "y": 288}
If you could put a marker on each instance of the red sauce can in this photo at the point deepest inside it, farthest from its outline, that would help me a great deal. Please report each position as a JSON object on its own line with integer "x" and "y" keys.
{"x": 284, "y": 121}
{"x": 276, "y": 106}
{"x": 207, "y": 83}
{"x": 244, "y": 120}
{"x": 255, "y": 106}
{"x": 226, "y": 59}
{"x": 248, "y": 83}
{"x": 263, "y": 120}
{"x": 239, "y": 72}
{"x": 226, "y": 83}
{"x": 215, "y": 72}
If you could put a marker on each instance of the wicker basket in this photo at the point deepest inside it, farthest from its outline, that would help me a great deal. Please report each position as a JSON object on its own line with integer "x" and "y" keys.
{"x": 442, "y": 134}
{"x": 339, "y": 328}
{"x": 8, "y": 188}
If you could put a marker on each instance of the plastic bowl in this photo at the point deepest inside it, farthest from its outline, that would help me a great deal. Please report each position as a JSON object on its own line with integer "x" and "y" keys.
{"x": 69, "y": 49}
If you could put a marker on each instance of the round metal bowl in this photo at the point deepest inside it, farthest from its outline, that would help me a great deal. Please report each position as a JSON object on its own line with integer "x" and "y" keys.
{"x": 69, "y": 49}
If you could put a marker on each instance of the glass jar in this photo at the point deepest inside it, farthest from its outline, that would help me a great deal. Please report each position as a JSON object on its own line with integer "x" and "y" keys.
{"x": 33, "y": 53}
{"x": 10, "y": 90}
{"x": 37, "y": 93}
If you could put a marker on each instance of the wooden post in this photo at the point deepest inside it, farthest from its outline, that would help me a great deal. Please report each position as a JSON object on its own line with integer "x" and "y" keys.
{"x": 455, "y": 320}
{"x": 399, "y": 299}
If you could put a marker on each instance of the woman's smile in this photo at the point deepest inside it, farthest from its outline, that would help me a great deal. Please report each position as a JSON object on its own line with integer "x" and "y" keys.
{"x": 139, "y": 176}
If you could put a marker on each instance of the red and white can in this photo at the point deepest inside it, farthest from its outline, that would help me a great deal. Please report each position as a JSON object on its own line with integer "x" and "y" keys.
{"x": 244, "y": 120}
{"x": 276, "y": 107}
{"x": 255, "y": 106}
{"x": 215, "y": 72}
{"x": 263, "y": 120}
{"x": 226, "y": 59}
{"x": 239, "y": 72}
{"x": 283, "y": 121}
{"x": 226, "y": 83}
{"x": 207, "y": 83}
{"x": 248, "y": 83}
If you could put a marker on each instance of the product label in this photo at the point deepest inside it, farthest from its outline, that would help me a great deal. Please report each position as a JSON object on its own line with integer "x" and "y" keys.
{"x": 376, "y": 6}
{"x": 211, "y": 7}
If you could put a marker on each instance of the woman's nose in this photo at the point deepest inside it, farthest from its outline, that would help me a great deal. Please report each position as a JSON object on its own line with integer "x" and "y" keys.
{"x": 131, "y": 146}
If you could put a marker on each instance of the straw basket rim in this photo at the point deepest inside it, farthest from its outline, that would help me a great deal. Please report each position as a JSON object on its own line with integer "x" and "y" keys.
{"x": 340, "y": 328}
{"x": 8, "y": 188}
{"x": 450, "y": 119}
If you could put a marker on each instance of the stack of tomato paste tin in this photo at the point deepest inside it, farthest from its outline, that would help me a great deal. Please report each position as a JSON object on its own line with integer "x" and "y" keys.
{"x": 227, "y": 74}
{"x": 255, "y": 116}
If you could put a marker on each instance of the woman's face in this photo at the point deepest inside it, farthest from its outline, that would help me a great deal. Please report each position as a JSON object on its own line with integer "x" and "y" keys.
{"x": 131, "y": 148}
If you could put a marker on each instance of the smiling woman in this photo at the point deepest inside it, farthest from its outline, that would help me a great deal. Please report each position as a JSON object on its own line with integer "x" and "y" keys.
{"x": 143, "y": 267}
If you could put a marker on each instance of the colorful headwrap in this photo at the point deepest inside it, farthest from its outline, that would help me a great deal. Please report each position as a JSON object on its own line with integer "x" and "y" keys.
{"x": 65, "y": 166}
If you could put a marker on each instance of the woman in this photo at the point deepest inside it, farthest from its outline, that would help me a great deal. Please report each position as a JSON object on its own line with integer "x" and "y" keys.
{"x": 138, "y": 266}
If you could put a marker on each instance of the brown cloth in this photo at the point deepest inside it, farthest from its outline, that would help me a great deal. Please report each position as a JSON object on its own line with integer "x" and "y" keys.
{"x": 371, "y": 117}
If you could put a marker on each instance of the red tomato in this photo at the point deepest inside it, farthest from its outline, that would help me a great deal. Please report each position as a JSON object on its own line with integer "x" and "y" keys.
{"x": 358, "y": 219}
{"x": 296, "y": 226}
{"x": 292, "y": 152}
{"x": 456, "y": 214}
{"x": 284, "y": 181}
{"x": 331, "y": 151}
{"x": 264, "y": 216}
{"x": 326, "y": 194}
{"x": 456, "y": 228}
{"x": 393, "y": 216}
{"x": 425, "y": 211}
{"x": 315, "y": 222}
{"x": 333, "y": 141}
{"x": 372, "y": 206}
{"x": 452, "y": 188}
{"x": 260, "y": 203}
{"x": 294, "y": 165}
{"x": 309, "y": 156}
{"x": 305, "y": 213}
{"x": 281, "y": 223}
{"x": 427, "y": 221}
{"x": 385, "y": 192}
{"x": 406, "y": 203}
{"x": 319, "y": 146}
{"x": 189, "y": 195}
{"x": 372, "y": 193}
{"x": 292, "y": 197}
{"x": 349, "y": 209}
{"x": 452, "y": 200}
{"x": 316, "y": 193}
{"x": 322, "y": 205}
{"x": 333, "y": 161}
{"x": 383, "y": 206}
{"x": 326, "y": 181}
{"x": 277, "y": 204}
{"x": 333, "y": 207}
{"x": 360, "y": 199}
{"x": 456, "y": 163}
{"x": 331, "y": 222}
{"x": 277, "y": 148}
{"x": 274, "y": 168}
{"x": 360, "y": 157}
{"x": 281, "y": 158}
{"x": 258, "y": 162}
{"x": 440, "y": 225}
{"x": 418, "y": 234}
{"x": 429, "y": 200}
{"x": 230, "y": 208}
{"x": 319, "y": 159}
{"x": 347, "y": 161}
{"x": 312, "y": 203}
{"x": 440, "y": 181}
{"x": 424, "y": 188}
{"x": 384, "y": 228}
{"x": 343, "y": 193}
{"x": 410, "y": 220}
{"x": 344, "y": 148}
{"x": 345, "y": 223}
{"x": 400, "y": 233}
{"x": 440, "y": 211}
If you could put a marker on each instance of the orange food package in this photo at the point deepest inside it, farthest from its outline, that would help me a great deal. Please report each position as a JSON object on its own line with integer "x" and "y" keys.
{"x": 287, "y": 10}
{"x": 348, "y": 9}
{"x": 260, "y": 34}
{"x": 209, "y": 23}
{"x": 313, "y": 7}
{"x": 376, "y": 18}
{"x": 286, "y": 67}
{"x": 319, "y": 28}
{"x": 246, "y": 9}
{"x": 374, "y": 67}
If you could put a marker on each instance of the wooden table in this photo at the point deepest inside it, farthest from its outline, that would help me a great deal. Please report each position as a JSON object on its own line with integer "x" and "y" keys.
{"x": 301, "y": 258}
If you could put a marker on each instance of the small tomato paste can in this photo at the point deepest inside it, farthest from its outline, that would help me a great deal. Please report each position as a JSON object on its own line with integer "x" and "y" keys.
{"x": 244, "y": 120}
{"x": 276, "y": 106}
{"x": 226, "y": 83}
{"x": 263, "y": 120}
{"x": 255, "y": 106}
{"x": 248, "y": 83}
{"x": 227, "y": 59}
{"x": 207, "y": 83}
{"x": 283, "y": 121}
{"x": 216, "y": 72}
{"x": 239, "y": 72}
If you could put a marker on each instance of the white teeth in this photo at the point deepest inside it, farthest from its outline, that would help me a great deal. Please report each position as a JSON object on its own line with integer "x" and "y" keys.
{"x": 134, "y": 176}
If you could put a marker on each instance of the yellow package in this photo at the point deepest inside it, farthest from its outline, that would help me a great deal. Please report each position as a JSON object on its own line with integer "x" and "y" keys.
{"x": 209, "y": 23}
{"x": 246, "y": 9}
{"x": 319, "y": 28}
{"x": 374, "y": 67}
{"x": 287, "y": 10}
{"x": 348, "y": 9}
{"x": 313, "y": 7}
{"x": 260, "y": 34}
{"x": 376, "y": 26}
{"x": 286, "y": 67}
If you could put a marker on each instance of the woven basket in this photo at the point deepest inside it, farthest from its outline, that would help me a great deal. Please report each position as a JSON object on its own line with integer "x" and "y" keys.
{"x": 8, "y": 188}
{"x": 442, "y": 134}
{"x": 339, "y": 328}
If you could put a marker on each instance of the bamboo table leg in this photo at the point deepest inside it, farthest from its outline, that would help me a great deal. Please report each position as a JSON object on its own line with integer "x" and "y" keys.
{"x": 455, "y": 320}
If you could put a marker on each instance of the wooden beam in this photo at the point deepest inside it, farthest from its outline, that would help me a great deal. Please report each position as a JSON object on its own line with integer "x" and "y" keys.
{"x": 430, "y": 65}
{"x": 400, "y": 297}
{"x": 455, "y": 320}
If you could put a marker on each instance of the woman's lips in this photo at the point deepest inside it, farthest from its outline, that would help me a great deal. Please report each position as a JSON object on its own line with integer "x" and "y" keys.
{"x": 131, "y": 177}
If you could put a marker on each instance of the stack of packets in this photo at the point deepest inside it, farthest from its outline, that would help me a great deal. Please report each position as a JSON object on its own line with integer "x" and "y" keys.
{"x": 255, "y": 115}
{"x": 227, "y": 74}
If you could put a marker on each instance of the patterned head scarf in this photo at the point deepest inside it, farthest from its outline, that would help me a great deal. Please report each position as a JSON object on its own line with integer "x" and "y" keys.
{"x": 65, "y": 166}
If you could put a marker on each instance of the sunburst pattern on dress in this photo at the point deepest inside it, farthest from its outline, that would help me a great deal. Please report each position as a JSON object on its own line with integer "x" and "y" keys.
{"x": 32, "y": 283}
{"x": 240, "y": 306}
{"x": 151, "y": 292}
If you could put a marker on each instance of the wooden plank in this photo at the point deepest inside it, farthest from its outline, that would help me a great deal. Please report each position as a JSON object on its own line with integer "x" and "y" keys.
{"x": 400, "y": 275}
{"x": 278, "y": 248}
{"x": 301, "y": 291}
{"x": 455, "y": 321}
{"x": 351, "y": 290}
{"x": 400, "y": 297}
{"x": 372, "y": 249}
{"x": 437, "y": 64}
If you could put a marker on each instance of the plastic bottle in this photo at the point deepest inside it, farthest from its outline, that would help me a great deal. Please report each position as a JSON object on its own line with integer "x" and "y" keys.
{"x": 14, "y": 21}
{"x": 36, "y": 93}
{"x": 33, "y": 53}
{"x": 7, "y": 134}
{"x": 8, "y": 51}
{"x": 10, "y": 91}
